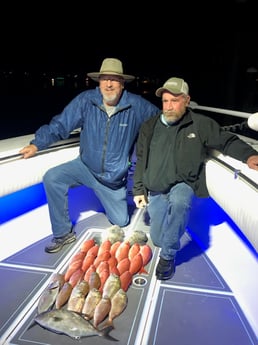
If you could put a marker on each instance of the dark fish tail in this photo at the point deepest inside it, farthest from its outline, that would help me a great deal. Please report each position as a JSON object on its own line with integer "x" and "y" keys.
{"x": 104, "y": 332}
{"x": 107, "y": 323}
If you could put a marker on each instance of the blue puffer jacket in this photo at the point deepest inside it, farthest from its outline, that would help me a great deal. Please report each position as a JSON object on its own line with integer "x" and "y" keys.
{"x": 105, "y": 142}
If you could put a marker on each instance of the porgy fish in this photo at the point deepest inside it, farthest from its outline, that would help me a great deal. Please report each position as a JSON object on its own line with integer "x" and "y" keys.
{"x": 111, "y": 285}
{"x": 77, "y": 297}
{"x": 92, "y": 299}
{"x": 63, "y": 295}
{"x": 102, "y": 310}
{"x": 48, "y": 297}
{"x": 94, "y": 280}
{"x": 118, "y": 305}
{"x": 72, "y": 324}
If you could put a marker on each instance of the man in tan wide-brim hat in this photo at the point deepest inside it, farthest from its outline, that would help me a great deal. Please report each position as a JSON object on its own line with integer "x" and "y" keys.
{"x": 109, "y": 117}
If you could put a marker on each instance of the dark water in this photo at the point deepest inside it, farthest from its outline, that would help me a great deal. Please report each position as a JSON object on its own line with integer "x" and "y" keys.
{"x": 23, "y": 112}
{"x": 27, "y": 101}
{"x": 26, "y": 106}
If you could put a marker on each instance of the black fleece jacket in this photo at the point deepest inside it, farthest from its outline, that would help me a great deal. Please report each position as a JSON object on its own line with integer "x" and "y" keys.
{"x": 196, "y": 134}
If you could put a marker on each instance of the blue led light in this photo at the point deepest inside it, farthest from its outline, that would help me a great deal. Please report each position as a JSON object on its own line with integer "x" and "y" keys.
{"x": 20, "y": 202}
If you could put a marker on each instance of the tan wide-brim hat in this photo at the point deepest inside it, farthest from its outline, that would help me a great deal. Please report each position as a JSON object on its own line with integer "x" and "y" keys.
{"x": 111, "y": 66}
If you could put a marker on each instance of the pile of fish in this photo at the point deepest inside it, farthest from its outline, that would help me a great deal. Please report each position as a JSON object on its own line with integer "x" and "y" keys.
{"x": 85, "y": 299}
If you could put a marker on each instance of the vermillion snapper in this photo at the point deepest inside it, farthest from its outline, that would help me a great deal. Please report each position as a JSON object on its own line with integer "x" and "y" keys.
{"x": 126, "y": 279}
{"x": 122, "y": 251}
{"x": 136, "y": 264}
{"x": 134, "y": 249}
{"x": 146, "y": 253}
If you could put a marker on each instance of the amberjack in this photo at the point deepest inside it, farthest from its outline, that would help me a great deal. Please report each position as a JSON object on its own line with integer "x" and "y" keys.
{"x": 70, "y": 323}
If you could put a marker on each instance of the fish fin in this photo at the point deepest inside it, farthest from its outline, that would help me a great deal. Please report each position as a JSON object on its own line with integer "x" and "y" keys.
{"x": 143, "y": 270}
{"x": 104, "y": 332}
{"x": 53, "y": 285}
{"x": 87, "y": 317}
{"x": 45, "y": 310}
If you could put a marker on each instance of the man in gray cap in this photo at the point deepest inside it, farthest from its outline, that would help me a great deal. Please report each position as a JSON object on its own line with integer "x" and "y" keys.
{"x": 109, "y": 117}
{"x": 171, "y": 151}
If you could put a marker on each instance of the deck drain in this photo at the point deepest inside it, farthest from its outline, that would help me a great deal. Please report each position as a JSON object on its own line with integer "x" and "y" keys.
{"x": 139, "y": 281}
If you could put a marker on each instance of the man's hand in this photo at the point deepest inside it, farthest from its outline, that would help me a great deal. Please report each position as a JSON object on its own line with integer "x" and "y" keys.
{"x": 29, "y": 151}
{"x": 140, "y": 201}
{"x": 252, "y": 162}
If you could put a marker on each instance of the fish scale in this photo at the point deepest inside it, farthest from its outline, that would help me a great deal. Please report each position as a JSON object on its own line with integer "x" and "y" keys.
{"x": 112, "y": 285}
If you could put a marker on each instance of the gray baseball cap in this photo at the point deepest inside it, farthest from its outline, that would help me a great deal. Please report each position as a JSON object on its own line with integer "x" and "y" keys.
{"x": 175, "y": 86}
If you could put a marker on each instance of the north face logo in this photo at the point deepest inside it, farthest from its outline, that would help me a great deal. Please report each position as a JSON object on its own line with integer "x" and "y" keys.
{"x": 191, "y": 135}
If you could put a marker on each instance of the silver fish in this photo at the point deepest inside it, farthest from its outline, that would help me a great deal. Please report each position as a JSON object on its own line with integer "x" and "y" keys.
{"x": 72, "y": 324}
{"x": 48, "y": 296}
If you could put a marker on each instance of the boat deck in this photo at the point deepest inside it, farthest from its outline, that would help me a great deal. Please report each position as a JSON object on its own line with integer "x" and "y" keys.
{"x": 196, "y": 306}
{"x": 211, "y": 300}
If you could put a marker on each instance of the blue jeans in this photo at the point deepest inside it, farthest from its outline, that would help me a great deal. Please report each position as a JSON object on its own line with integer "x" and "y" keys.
{"x": 57, "y": 182}
{"x": 169, "y": 215}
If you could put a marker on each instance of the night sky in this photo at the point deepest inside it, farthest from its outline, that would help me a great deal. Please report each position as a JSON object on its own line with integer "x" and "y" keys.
{"x": 211, "y": 44}
{"x": 187, "y": 37}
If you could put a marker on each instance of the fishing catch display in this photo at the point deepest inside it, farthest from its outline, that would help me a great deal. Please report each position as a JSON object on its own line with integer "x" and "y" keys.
{"x": 85, "y": 300}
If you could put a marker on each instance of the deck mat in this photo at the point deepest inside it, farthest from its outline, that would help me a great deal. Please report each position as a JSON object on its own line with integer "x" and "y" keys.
{"x": 203, "y": 318}
{"x": 18, "y": 288}
{"x": 194, "y": 269}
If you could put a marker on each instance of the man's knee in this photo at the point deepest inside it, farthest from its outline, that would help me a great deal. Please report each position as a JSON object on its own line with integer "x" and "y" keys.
{"x": 49, "y": 176}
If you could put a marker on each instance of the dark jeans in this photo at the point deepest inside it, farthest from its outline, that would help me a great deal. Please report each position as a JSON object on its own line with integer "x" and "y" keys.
{"x": 169, "y": 214}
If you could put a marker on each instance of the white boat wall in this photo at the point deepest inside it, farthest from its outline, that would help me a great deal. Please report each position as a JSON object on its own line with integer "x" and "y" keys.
{"x": 210, "y": 300}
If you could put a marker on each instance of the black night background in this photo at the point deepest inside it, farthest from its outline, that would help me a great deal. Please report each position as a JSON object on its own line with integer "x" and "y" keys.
{"x": 46, "y": 53}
